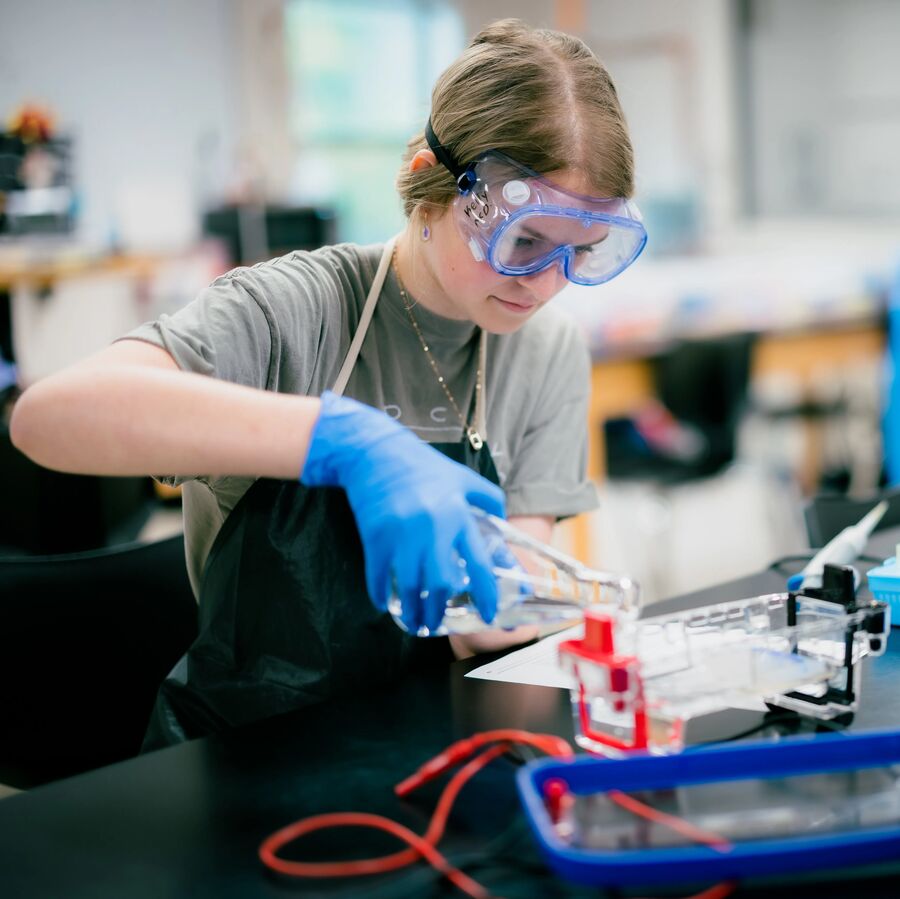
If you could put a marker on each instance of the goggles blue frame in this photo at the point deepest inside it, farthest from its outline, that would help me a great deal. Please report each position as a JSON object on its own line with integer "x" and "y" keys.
{"x": 508, "y": 215}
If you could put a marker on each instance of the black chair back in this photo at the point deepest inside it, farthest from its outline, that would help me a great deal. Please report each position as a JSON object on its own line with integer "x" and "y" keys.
{"x": 86, "y": 640}
{"x": 702, "y": 383}
{"x": 47, "y": 512}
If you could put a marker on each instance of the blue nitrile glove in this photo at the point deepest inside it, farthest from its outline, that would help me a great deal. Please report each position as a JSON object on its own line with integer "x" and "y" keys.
{"x": 411, "y": 505}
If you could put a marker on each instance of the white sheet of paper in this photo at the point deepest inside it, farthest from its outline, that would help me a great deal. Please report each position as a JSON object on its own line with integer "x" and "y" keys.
{"x": 535, "y": 664}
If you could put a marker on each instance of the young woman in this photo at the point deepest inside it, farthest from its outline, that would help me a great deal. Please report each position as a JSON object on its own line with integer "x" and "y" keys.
{"x": 342, "y": 365}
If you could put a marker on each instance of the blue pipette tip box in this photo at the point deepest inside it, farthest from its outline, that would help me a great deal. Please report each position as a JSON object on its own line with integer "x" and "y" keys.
{"x": 884, "y": 582}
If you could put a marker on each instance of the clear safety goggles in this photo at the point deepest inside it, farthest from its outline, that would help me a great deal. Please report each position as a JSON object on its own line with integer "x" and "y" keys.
{"x": 521, "y": 223}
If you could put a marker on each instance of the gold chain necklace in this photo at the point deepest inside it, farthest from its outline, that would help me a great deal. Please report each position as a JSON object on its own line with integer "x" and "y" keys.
{"x": 471, "y": 432}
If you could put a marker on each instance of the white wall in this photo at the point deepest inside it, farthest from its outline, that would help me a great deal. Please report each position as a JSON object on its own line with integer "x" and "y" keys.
{"x": 148, "y": 92}
{"x": 827, "y": 111}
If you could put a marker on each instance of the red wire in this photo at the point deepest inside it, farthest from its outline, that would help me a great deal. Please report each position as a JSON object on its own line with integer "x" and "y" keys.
{"x": 420, "y": 847}
{"x": 719, "y": 891}
{"x": 462, "y": 749}
{"x": 679, "y": 825}
{"x": 685, "y": 828}
{"x": 424, "y": 846}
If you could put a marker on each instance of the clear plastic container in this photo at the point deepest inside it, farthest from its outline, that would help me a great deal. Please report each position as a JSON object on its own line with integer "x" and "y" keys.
{"x": 638, "y": 683}
{"x": 537, "y": 585}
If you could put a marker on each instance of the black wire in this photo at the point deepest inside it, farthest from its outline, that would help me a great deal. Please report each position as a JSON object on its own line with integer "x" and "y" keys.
{"x": 767, "y": 721}
{"x": 784, "y": 560}
{"x": 877, "y": 560}
{"x": 774, "y": 719}
{"x": 496, "y": 857}
{"x": 778, "y": 566}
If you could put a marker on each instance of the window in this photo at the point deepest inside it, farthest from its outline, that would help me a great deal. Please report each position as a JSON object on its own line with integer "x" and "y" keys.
{"x": 361, "y": 75}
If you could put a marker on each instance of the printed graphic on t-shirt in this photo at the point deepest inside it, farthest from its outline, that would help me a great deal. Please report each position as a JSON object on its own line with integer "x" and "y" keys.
{"x": 440, "y": 419}
{"x": 440, "y": 426}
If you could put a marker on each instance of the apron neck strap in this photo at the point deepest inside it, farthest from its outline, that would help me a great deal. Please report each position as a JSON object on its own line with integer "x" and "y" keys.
{"x": 480, "y": 414}
{"x": 365, "y": 320}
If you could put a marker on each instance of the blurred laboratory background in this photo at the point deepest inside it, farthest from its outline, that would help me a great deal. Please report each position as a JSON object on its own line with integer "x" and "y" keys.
{"x": 741, "y": 367}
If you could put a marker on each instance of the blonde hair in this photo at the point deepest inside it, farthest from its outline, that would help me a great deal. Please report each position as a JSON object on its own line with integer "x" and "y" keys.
{"x": 541, "y": 97}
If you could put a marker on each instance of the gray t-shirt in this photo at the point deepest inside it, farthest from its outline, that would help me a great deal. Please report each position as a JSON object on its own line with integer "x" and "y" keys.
{"x": 286, "y": 325}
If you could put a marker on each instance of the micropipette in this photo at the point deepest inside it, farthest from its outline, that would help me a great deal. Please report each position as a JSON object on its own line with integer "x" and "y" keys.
{"x": 840, "y": 550}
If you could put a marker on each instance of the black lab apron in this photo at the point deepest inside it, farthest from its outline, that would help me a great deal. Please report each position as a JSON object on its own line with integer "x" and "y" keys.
{"x": 285, "y": 618}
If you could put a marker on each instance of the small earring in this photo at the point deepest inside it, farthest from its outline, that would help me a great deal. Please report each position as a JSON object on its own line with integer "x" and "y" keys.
{"x": 426, "y": 231}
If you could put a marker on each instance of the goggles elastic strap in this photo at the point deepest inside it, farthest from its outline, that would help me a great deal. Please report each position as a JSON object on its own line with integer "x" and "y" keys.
{"x": 465, "y": 177}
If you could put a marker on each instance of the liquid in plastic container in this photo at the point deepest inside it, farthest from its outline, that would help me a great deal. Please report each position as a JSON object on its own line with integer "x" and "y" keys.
{"x": 537, "y": 584}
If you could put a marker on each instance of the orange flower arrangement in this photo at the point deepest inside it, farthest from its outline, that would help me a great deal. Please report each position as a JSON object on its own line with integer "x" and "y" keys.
{"x": 31, "y": 123}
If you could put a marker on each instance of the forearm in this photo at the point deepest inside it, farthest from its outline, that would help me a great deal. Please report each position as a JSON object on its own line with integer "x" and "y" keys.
{"x": 128, "y": 420}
